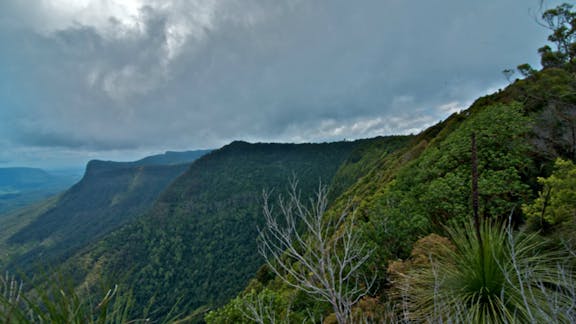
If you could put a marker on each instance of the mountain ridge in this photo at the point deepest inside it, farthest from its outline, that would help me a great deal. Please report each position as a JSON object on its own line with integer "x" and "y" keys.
{"x": 425, "y": 187}
{"x": 204, "y": 226}
{"x": 108, "y": 195}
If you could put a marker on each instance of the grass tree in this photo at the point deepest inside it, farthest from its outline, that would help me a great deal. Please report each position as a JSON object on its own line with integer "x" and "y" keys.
{"x": 58, "y": 301}
{"x": 514, "y": 279}
{"x": 489, "y": 274}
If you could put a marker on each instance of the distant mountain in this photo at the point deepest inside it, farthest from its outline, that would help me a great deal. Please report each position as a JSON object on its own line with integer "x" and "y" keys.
{"x": 109, "y": 195}
{"x": 23, "y": 177}
{"x": 198, "y": 242}
{"x": 21, "y": 186}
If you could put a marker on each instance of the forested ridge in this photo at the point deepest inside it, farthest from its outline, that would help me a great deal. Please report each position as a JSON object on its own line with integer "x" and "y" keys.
{"x": 426, "y": 186}
{"x": 411, "y": 204}
{"x": 109, "y": 195}
{"x": 198, "y": 242}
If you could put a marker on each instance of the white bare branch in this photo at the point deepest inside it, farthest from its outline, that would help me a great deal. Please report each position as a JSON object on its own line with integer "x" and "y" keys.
{"x": 325, "y": 259}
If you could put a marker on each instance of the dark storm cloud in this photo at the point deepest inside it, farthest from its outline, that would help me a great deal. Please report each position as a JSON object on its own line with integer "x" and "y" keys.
{"x": 200, "y": 73}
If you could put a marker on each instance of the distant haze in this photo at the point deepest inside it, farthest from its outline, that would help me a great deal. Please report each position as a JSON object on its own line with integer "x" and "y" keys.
{"x": 119, "y": 79}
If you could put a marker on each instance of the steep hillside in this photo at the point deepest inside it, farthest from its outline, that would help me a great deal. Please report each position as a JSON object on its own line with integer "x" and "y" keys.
{"x": 13, "y": 221}
{"x": 109, "y": 195}
{"x": 198, "y": 242}
{"x": 471, "y": 221}
{"x": 426, "y": 185}
{"x": 363, "y": 159}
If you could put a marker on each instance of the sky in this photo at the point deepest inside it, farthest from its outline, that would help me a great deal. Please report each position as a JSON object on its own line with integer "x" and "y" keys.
{"x": 122, "y": 79}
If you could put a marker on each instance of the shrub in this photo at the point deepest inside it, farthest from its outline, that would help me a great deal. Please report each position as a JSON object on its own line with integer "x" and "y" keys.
{"x": 503, "y": 278}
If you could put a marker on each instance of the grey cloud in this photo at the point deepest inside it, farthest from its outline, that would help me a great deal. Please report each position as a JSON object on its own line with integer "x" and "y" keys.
{"x": 200, "y": 73}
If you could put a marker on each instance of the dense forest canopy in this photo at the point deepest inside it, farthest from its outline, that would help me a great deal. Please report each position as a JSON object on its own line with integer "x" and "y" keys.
{"x": 426, "y": 187}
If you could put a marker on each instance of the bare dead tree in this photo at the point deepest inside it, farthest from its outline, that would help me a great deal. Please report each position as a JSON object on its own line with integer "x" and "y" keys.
{"x": 324, "y": 260}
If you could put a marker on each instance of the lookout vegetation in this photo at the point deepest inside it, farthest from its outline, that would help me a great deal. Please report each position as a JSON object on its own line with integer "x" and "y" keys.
{"x": 471, "y": 221}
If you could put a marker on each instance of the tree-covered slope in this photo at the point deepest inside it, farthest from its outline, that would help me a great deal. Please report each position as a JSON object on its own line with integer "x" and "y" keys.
{"x": 426, "y": 185}
{"x": 471, "y": 221}
{"x": 363, "y": 159}
{"x": 109, "y": 195}
{"x": 198, "y": 242}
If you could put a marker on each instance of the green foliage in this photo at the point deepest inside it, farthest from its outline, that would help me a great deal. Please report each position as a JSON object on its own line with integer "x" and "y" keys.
{"x": 434, "y": 189}
{"x": 198, "y": 242}
{"x": 550, "y": 99}
{"x": 562, "y": 22}
{"x": 363, "y": 159}
{"x": 440, "y": 179}
{"x": 526, "y": 70}
{"x": 229, "y": 314}
{"x": 324, "y": 259}
{"x": 12, "y": 222}
{"x": 109, "y": 195}
{"x": 556, "y": 203}
{"x": 57, "y": 301}
{"x": 405, "y": 194}
{"x": 276, "y": 303}
{"x": 265, "y": 306}
{"x": 548, "y": 59}
{"x": 401, "y": 195}
{"x": 411, "y": 191}
{"x": 504, "y": 278}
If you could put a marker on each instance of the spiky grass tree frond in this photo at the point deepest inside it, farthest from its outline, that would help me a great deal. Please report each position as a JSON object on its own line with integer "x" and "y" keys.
{"x": 11, "y": 300}
{"x": 65, "y": 306}
{"x": 508, "y": 278}
{"x": 58, "y": 301}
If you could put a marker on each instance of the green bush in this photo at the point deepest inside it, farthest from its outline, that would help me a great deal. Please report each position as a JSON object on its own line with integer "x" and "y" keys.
{"x": 556, "y": 203}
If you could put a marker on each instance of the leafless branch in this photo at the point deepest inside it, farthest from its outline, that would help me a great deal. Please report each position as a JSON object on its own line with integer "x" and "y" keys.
{"x": 324, "y": 260}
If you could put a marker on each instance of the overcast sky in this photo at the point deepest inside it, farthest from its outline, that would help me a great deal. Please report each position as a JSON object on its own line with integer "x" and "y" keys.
{"x": 120, "y": 79}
